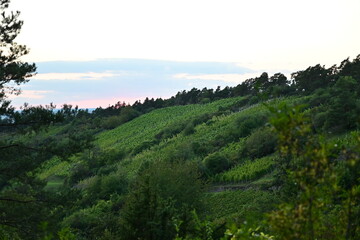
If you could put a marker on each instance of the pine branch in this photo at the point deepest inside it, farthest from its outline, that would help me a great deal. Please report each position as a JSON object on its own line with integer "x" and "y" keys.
{"x": 17, "y": 200}
{"x": 19, "y": 146}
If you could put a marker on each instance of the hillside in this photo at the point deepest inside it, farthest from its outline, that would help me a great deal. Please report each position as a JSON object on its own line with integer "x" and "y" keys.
{"x": 203, "y": 134}
{"x": 263, "y": 158}
{"x": 229, "y": 143}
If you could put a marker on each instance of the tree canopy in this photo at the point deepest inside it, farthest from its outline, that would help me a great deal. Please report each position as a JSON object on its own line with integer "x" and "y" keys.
{"x": 13, "y": 72}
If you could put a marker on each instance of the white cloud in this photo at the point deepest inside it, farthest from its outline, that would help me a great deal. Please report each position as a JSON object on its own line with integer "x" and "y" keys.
{"x": 75, "y": 76}
{"x": 229, "y": 78}
{"x": 32, "y": 94}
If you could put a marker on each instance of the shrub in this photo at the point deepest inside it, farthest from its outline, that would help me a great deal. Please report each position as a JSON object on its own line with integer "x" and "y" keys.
{"x": 143, "y": 146}
{"x": 200, "y": 148}
{"x": 171, "y": 130}
{"x": 321, "y": 96}
{"x": 126, "y": 114}
{"x": 216, "y": 163}
{"x": 91, "y": 223}
{"x": 344, "y": 102}
{"x": 111, "y": 122}
{"x": 189, "y": 129}
{"x": 319, "y": 120}
{"x": 260, "y": 143}
{"x": 78, "y": 172}
{"x": 102, "y": 187}
{"x": 160, "y": 195}
{"x": 247, "y": 123}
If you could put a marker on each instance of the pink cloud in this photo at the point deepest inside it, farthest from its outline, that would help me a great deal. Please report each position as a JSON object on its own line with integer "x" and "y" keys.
{"x": 76, "y": 76}
{"x": 102, "y": 102}
{"x": 32, "y": 94}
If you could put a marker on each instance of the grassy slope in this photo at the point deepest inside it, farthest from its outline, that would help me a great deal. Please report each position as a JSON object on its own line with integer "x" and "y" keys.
{"x": 180, "y": 147}
{"x": 251, "y": 198}
{"x": 132, "y": 134}
{"x": 145, "y": 127}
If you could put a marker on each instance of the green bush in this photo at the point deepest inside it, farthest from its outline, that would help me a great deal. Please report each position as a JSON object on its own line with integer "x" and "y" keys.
{"x": 319, "y": 120}
{"x": 216, "y": 163}
{"x": 171, "y": 130}
{"x": 126, "y": 114}
{"x": 111, "y": 122}
{"x": 245, "y": 124}
{"x": 200, "y": 148}
{"x": 92, "y": 222}
{"x": 102, "y": 187}
{"x": 320, "y": 97}
{"x": 143, "y": 146}
{"x": 344, "y": 102}
{"x": 113, "y": 183}
{"x": 189, "y": 129}
{"x": 161, "y": 194}
{"x": 78, "y": 172}
{"x": 253, "y": 100}
{"x": 260, "y": 143}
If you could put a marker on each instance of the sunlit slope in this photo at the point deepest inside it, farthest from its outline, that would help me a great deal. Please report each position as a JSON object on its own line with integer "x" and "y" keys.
{"x": 145, "y": 127}
{"x": 221, "y": 134}
{"x": 225, "y": 135}
{"x": 242, "y": 185}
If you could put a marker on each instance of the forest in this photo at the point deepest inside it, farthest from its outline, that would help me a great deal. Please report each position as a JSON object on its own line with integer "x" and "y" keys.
{"x": 270, "y": 158}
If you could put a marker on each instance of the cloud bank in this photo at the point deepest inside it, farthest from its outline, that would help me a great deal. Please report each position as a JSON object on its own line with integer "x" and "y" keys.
{"x": 227, "y": 78}
{"x": 87, "y": 76}
{"x": 105, "y": 81}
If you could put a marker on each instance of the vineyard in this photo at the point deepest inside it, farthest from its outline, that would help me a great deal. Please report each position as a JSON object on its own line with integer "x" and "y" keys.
{"x": 268, "y": 157}
{"x": 144, "y": 128}
{"x": 250, "y": 170}
{"x": 198, "y": 132}
{"x": 229, "y": 142}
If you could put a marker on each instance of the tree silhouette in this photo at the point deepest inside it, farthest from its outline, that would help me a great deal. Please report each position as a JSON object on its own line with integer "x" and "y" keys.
{"x": 13, "y": 72}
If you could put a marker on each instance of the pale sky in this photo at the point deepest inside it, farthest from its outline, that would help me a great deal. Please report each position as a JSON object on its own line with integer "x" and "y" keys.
{"x": 262, "y": 35}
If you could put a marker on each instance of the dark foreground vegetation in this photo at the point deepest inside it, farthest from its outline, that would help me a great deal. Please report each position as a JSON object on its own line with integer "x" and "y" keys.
{"x": 270, "y": 158}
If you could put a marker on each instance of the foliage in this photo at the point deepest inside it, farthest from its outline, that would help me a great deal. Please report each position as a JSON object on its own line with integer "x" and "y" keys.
{"x": 216, "y": 163}
{"x": 247, "y": 123}
{"x": 245, "y": 232}
{"x": 23, "y": 202}
{"x": 140, "y": 179}
{"x": 158, "y": 124}
{"x": 249, "y": 170}
{"x": 344, "y": 102}
{"x": 312, "y": 78}
{"x": 13, "y": 72}
{"x": 162, "y": 193}
{"x": 126, "y": 114}
{"x": 312, "y": 168}
{"x": 66, "y": 234}
{"x": 93, "y": 221}
{"x": 54, "y": 167}
{"x": 237, "y": 206}
{"x": 201, "y": 229}
{"x": 260, "y": 143}
{"x": 102, "y": 187}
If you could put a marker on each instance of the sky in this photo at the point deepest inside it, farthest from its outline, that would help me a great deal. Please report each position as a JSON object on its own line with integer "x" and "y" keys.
{"x": 94, "y": 53}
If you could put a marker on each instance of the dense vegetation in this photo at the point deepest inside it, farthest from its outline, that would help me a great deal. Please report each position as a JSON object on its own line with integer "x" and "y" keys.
{"x": 270, "y": 158}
